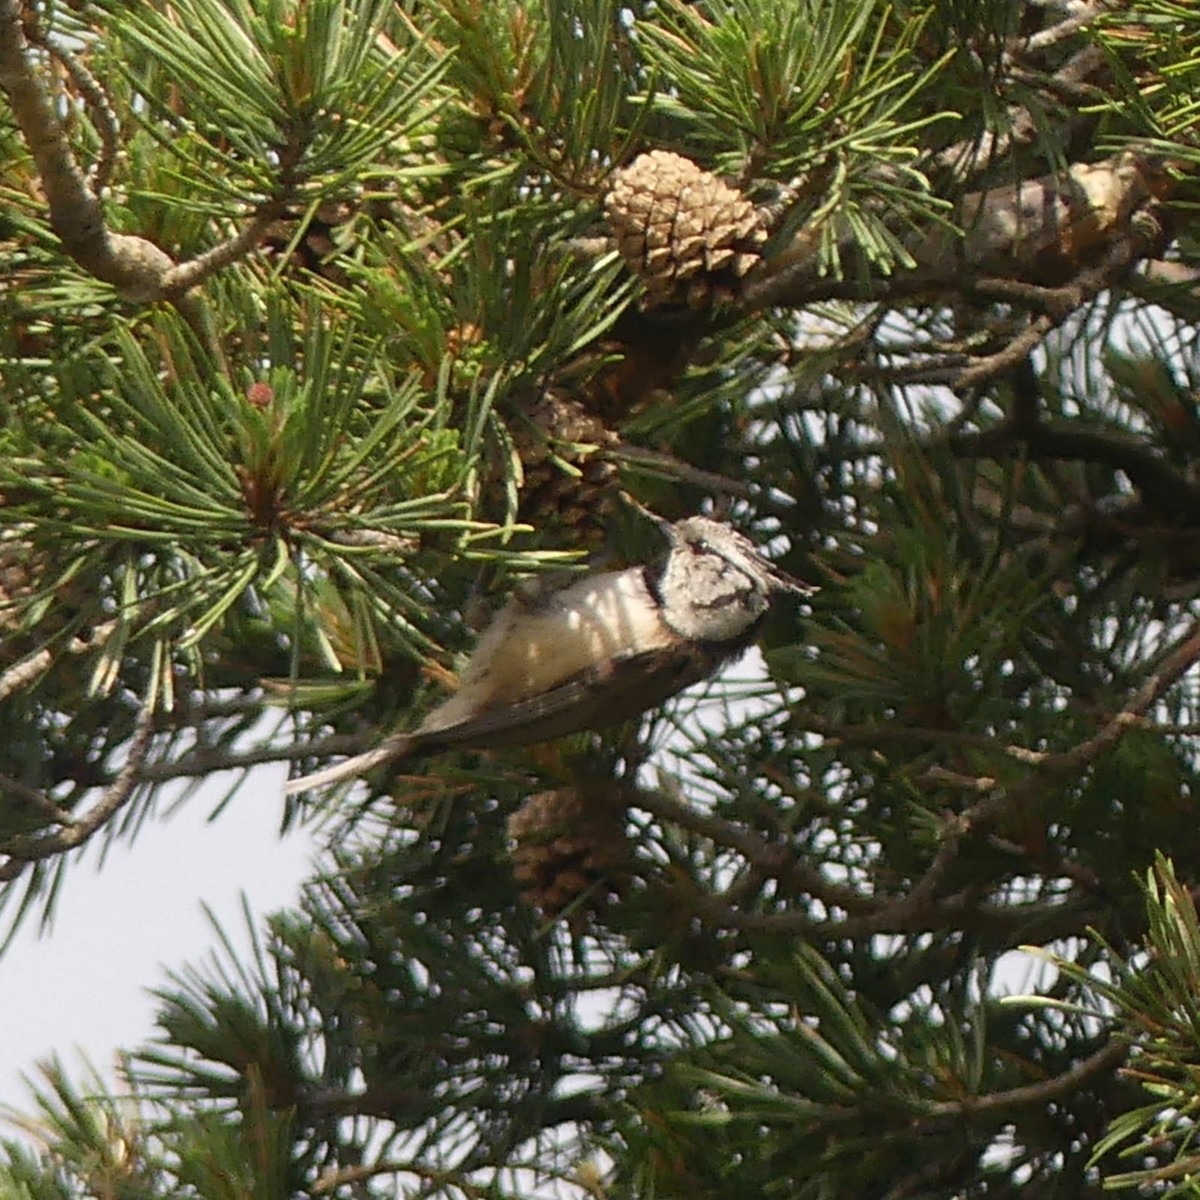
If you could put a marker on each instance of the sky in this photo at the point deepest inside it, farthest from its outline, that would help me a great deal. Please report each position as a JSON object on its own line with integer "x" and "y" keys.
{"x": 83, "y": 986}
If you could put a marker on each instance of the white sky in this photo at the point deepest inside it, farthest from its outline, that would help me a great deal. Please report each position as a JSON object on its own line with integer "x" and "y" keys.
{"x": 84, "y": 984}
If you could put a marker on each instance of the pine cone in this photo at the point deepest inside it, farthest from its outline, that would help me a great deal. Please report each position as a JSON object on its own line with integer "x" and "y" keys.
{"x": 25, "y": 572}
{"x": 688, "y": 235}
{"x": 569, "y": 850}
{"x": 558, "y": 435}
{"x": 317, "y": 249}
{"x": 19, "y": 571}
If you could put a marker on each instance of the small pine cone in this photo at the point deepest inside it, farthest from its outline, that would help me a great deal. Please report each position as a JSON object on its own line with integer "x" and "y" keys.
{"x": 317, "y": 250}
{"x": 25, "y": 572}
{"x": 569, "y": 850}
{"x": 688, "y": 235}
{"x": 19, "y": 570}
{"x": 560, "y": 430}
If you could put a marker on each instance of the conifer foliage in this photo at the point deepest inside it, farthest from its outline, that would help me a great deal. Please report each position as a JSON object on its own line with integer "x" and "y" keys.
{"x": 325, "y": 324}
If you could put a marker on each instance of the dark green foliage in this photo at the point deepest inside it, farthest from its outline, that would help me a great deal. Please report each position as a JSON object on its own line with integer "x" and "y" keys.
{"x": 895, "y": 920}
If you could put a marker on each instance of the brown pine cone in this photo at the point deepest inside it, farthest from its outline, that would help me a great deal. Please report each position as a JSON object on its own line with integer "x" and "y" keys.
{"x": 20, "y": 569}
{"x": 569, "y": 850}
{"x": 568, "y": 482}
{"x": 688, "y": 235}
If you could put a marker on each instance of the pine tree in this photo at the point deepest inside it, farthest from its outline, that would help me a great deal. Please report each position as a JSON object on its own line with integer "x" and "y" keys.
{"x": 326, "y": 323}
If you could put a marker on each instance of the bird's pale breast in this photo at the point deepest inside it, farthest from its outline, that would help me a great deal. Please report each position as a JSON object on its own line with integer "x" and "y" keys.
{"x": 531, "y": 648}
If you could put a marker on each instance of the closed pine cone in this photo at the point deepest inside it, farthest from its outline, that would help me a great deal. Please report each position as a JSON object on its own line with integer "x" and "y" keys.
{"x": 569, "y": 850}
{"x": 569, "y": 484}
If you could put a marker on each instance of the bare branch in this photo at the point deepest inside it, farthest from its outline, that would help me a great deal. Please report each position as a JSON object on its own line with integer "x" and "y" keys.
{"x": 103, "y": 117}
{"x": 21, "y": 851}
{"x": 999, "y": 801}
{"x": 1108, "y": 1058}
{"x": 1184, "y": 656}
{"x": 138, "y": 269}
{"x": 1060, "y": 240}
{"x": 30, "y": 796}
{"x": 204, "y": 760}
{"x": 1061, "y": 30}
{"x": 837, "y": 733}
{"x": 671, "y": 467}
{"x": 132, "y": 265}
{"x": 195, "y": 271}
{"x": 24, "y": 672}
{"x": 1162, "y": 486}
{"x": 776, "y": 861}
{"x": 1010, "y": 924}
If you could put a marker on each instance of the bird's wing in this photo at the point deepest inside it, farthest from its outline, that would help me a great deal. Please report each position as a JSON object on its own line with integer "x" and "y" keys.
{"x": 593, "y": 699}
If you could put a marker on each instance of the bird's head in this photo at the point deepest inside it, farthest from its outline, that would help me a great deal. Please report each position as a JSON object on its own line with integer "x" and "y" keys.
{"x": 714, "y": 586}
{"x": 704, "y": 535}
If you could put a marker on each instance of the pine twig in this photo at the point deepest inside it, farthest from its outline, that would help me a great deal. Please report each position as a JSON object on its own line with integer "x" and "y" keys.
{"x": 1185, "y": 655}
{"x": 1108, "y": 1058}
{"x": 133, "y": 265}
{"x": 997, "y": 800}
{"x": 207, "y": 759}
{"x": 777, "y": 861}
{"x": 22, "y": 851}
{"x": 101, "y": 111}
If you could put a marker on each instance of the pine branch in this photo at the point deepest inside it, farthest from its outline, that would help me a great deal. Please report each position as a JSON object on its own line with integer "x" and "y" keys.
{"x": 133, "y": 265}
{"x": 99, "y": 109}
{"x": 998, "y": 800}
{"x": 21, "y": 852}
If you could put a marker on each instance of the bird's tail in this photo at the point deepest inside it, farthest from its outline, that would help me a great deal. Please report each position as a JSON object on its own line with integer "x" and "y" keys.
{"x": 396, "y": 746}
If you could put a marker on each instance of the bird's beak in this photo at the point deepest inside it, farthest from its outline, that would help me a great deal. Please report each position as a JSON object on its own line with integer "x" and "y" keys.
{"x": 789, "y": 583}
{"x": 665, "y": 527}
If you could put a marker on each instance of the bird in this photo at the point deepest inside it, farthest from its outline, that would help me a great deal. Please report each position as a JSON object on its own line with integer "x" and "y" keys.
{"x": 604, "y": 648}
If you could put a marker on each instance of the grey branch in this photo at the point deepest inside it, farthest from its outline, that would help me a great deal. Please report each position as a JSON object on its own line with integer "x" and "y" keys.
{"x": 99, "y": 109}
{"x": 21, "y": 851}
{"x": 139, "y": 270}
